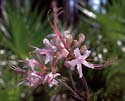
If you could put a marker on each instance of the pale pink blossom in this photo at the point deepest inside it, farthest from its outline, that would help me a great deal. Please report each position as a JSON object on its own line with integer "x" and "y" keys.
{"x": 65, "y": 40}
{"x": 50, "y": 79}
{"x": 79, "y": 60}
{"x": 49, "y": 50}
{"x": 33, "y": 79}
{"x": 33, "y": 63}
{"x": 54, "y": 50}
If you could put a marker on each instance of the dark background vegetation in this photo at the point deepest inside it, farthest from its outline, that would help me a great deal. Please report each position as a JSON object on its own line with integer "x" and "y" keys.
{"x": 24, "y": 23}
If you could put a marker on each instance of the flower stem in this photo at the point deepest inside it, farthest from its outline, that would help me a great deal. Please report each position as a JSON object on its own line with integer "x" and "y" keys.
{"x": 85, "y": 88}
{"x": 55, "y": 21}
{"x": 72, "y": 81}
{"x": 64, "y": 84}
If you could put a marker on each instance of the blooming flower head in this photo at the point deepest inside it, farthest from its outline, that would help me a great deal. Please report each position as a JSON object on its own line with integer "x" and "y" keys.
{"x": 50, "y": 79}
{"x": 60, "y": 45}
{"x": 49, "y": 50}
{"x": 33, "y": 79}
{"x": 33, "y": 63}
{"x": 54, "y": 50}
{"x": 79, "y": 60}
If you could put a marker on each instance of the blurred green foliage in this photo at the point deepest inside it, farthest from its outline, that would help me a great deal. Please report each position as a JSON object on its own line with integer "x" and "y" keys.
{"x": 25, "y": 28}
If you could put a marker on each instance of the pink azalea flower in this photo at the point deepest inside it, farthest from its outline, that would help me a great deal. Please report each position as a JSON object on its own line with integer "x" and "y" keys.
{"x": 50, "y": 79}
{"x": 49, "y": 45}
{"x": 49, "y": 50}
{"x": 33, "y": 63}
{"x": 54, "y": 50}
{"x": 33, "y": 79}
{"x": 64, "y": 53}
{"x": 66, "y": 36}
{"x": 79, "y": 60}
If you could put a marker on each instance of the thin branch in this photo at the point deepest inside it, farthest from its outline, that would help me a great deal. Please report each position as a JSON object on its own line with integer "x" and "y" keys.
{"x": 55, "y": 22}
{"x": 16, "y": 68}
{"x": 72, "y": 81}
{"x": 85, "y": 88}
{"x": 64, "y": 84}
{"x": 49, "y": 19}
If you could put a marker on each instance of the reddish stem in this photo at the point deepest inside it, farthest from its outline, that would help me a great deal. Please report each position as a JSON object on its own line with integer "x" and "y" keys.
{"x": 85, "y": 88}
{"x": 42, "y": 67}
{"x": 56, "y": 29}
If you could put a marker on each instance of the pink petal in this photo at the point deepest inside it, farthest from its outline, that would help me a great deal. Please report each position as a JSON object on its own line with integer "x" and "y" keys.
{"x": 79, "y": 68}
{"x": 86, "y": 54}
{"x": 49, "y": 45}
{"x": 31, "y": 63}
{"x": 73, "y": 63}
{"x": 56, "y": 74}
{"x": 50, "y": 79}
{"x": 88, "y": 64}
{"x": 64, "y": 53}
{"x": 41, "y": 66}
{"x": 52, "y": 35}
{"x": 77, "y": 52}
{"x": 53, "y": 82}
{"x": 33, "y": 79}
{"x": 42, "y": 51}
{"x": 81, "y": 38}
{"x": 48, "y": 59}
{"x": 47, "y": 42}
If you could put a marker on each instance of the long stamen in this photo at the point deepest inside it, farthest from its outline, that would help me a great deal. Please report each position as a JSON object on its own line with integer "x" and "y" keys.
{"x": 15, "y": 68}
{"x": 42, "y": 67}
{"x": 49, "y": 19}
{"x": 56, "y": 29}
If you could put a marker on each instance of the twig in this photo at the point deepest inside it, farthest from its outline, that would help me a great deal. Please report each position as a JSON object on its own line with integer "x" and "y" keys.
{"x": 72, "y": 81}
{"x": 85, "y": 88}
{"x": 64, "y": 84}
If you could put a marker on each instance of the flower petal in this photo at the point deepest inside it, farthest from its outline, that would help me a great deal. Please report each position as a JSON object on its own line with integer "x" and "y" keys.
{"x": 48, "y": 58}
{"x": 33, "y": 79}
{"x": 88, "y": 64}
{"x": 77, "y": 52}
{"x": 47, "y": 42}
{"x": 79, "y": 68}
{"x": 81, "y": 38}
{"x": 31, "y": 63}
{"x": 86, "y": 54}
{"x": 64, "y": 53}
{"x": 52, "y": 35}
{"x": 73, "y": 63}
{"x": 50, "y": 79}
{"x": 42, "y": 51}
{"x": 56, "y": 74}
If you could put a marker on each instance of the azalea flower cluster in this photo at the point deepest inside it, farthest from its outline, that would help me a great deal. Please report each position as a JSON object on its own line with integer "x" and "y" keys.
{"x": 58, "y": 46}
